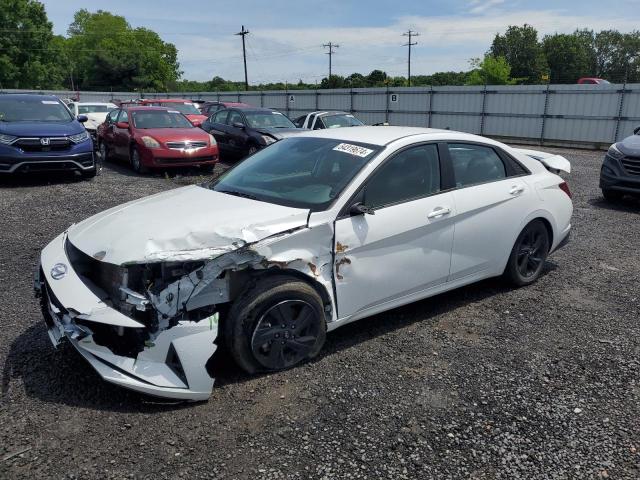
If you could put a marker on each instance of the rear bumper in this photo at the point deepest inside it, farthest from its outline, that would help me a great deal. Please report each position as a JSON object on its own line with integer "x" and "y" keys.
{"x": 172, "y": 364}
{"x": 46, "y": 163}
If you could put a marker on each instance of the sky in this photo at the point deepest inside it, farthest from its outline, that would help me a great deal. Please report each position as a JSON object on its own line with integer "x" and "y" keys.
{"x": 286, "y": 36}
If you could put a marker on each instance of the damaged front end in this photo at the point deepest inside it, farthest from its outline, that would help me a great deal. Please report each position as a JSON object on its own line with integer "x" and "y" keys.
{"x": 115, "y": 317}
{"x": 150, "y": 325}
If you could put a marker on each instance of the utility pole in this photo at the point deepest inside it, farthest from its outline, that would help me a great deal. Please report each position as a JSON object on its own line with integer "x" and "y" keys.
{"x": 331, "y": 51}
{"x": 242, "y": 33}
{"x": 410, "y": 34}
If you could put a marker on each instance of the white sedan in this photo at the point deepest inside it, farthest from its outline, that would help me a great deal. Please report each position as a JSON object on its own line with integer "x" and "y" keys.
{"x": 96, "y": 113}
{"x": 307, "y": 235}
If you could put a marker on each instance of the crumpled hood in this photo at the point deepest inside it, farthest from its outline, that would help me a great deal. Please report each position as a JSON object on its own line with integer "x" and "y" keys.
{"x": 189, "y": 223}
{"x": 279, "y": 133}
{"x": 630, "y": 145}
{"x": 41, "y": 129}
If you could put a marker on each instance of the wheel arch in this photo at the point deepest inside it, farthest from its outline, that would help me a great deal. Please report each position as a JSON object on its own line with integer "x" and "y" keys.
{"x": 255, "y": 275}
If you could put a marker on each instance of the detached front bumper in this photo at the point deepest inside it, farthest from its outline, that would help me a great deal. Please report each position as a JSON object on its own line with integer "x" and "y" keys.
{"x": 172, "y": 365}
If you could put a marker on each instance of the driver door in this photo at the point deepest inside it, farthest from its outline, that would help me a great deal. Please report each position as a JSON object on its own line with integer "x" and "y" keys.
{"x": 389, "y": 257}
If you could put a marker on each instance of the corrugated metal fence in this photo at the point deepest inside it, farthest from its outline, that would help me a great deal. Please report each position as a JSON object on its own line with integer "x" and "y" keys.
{"x": 588, "y": 115}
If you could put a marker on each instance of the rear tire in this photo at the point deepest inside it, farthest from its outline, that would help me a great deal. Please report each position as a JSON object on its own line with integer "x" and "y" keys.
{"x": 104, "y": 151}
{"x": 528, "y": 254}
{"x": 612, "y": 195}
{"x": 275, "y": 324}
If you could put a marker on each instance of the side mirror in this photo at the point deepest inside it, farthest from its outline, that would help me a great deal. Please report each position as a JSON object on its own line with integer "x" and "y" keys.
{"x": 360, "y": 209}
{"x": 636, "y": 131}
{"x": 122, "y": 124}
{"x": 82, "y": 118}
{"x": 238, "y": 125}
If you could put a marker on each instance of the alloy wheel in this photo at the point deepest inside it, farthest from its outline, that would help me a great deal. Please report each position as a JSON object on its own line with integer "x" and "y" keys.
{"x": 285, "y": 334}
{"x": 532, "y": 252}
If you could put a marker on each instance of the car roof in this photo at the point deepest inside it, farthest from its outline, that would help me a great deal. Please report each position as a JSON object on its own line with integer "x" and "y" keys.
{"x": 94, "y": 103}
{"x": 146, "y": 108}
{"x": 324, "y": 113}
{"x": 167, "y": 100}
{"x": 381, "y": 135}
{"x": 34, "y": 96}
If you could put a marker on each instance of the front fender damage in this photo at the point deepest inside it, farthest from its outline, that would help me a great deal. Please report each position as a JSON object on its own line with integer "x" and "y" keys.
{"x": 168, "y": 354}
{"x": 307, "y": 251}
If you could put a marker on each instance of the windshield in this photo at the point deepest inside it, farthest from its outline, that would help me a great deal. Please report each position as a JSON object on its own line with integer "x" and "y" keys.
{"x": 186, "y": 107}
{"x": 341, "y": 120}
{"x": 298, "y": 172}
{"x": 268, "y": 120}
{"x": 32, "y": 110}
{"x": 160, "y": 119}
{"x": 84, "y": 109}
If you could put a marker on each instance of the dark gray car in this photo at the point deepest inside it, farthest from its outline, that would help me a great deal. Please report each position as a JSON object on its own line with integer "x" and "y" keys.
{"x": 620, "y": 172}
{"x": 243, "y": 131}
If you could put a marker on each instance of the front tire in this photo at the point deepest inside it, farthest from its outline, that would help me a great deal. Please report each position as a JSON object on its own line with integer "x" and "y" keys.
{"x": 528, "y": 254}
{"x": 275, "y": 324}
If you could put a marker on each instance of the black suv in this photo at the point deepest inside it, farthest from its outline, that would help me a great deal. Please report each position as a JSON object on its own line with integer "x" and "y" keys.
{"x": 620, "y": 172}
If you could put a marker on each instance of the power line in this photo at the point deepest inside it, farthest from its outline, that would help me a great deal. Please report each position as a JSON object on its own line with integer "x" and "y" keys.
{"x": 409, "y": 34}
{"x": 331, "y": 51}
{"x": 243, "y": 33}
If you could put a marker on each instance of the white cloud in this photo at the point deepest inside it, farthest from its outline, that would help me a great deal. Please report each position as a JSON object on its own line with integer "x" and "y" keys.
{"x": 480, "y": 6}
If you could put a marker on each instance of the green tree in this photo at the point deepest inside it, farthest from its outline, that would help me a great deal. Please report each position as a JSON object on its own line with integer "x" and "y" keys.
{"x": 108, "y": 52}
{"x": 26, "y": 56}
{"x": 569, "y": 56}
{"x": 490, "y": 71}
{"x": 520, "y": 47}
{"x": 377, "y": 78}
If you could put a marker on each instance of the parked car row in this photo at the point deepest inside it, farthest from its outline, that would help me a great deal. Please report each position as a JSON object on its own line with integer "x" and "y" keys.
{"x": 41, "y": 133}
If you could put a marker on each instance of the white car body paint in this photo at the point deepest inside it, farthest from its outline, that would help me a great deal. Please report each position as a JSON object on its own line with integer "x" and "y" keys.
{"x": 95, "y": 118}
{"x": 361, "y": 264}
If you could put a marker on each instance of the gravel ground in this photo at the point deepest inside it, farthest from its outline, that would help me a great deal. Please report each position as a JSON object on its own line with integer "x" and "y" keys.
{"x": 482, "y": 382}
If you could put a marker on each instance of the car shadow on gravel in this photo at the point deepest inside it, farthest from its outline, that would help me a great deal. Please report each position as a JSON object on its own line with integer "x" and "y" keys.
{"x": 62, "y": 376}
{"x": 41, "y": 179}
{"x": 626, "y": 204}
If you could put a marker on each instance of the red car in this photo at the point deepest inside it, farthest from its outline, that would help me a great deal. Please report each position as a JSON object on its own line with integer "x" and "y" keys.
{"x": 155, "y": 137}
{"x": 592, "y": 81}
{"x": 186, "y": 107}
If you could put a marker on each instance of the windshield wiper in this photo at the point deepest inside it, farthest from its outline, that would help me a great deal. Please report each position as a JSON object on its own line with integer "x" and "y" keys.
{"x": 238, "y": 194}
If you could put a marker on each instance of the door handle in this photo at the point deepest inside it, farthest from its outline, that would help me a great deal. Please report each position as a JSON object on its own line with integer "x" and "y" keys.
{"x": 516, "y": 190}
{"x": 439, "y": 212}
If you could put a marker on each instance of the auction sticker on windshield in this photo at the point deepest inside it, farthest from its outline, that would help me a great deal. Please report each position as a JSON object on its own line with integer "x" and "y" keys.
{"x": 356, "y": 150}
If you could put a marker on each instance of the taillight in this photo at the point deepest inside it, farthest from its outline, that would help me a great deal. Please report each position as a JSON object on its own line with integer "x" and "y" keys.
{"x": 564, "y": 186}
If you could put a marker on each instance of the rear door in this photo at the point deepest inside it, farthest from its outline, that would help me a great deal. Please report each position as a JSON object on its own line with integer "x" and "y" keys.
{"x": 121, "y": 136}
{"x": 218, "y": 128}
{"x": 404, "y": 248}
{"x": 491, "y": 198}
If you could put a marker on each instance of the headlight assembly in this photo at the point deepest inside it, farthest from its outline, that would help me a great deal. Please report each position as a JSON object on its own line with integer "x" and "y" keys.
{"x": 7, "y": 139}
{"x": 268, "y": 140}
{"x": 613, "y": 152}
{"x": 79, "y": 137}
{"x": 150, "y": 142}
